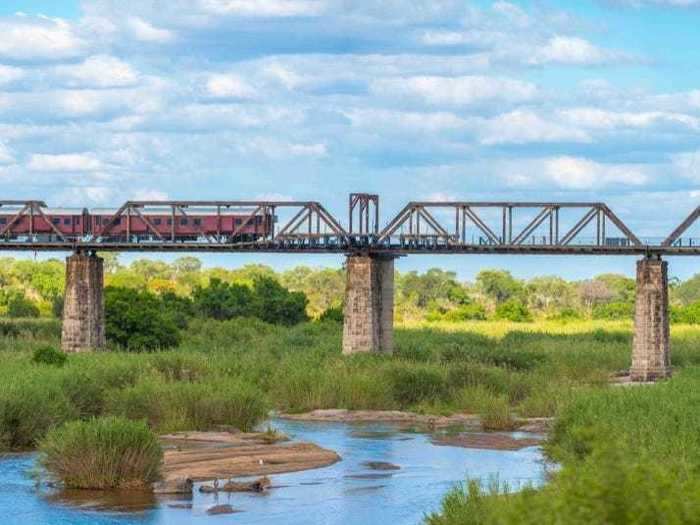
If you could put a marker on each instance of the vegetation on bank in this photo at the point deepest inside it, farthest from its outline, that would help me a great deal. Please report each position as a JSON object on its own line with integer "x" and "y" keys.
{"x": 106, "y": 453}
{"x": 628, "y": 455}
{"x": 233, "y": 372}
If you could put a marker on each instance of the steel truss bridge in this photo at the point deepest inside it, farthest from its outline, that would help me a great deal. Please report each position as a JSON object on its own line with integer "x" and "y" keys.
{"x": 584, "y": 228}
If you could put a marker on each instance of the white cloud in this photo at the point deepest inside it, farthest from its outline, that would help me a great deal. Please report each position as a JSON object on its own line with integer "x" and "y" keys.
{"x": 570, "y": 50}
{"x": 149, "y": 195}
{"x": 284, "y": 75}
{"x": 229, "y": 86}
{"x": 460, "y": 91}
{"x": 144, "y": 31}
{"x": 401, "y": 121}
{"x": 276, "y": 149}
{"x": 669, "y": 3}
{"x": 100, "y": 71}
{"x": 523, "y": 126}
{"x": 596, "y": 118}
{"x": 26, "y": 38}
{"x": 263, "y": 8}
{"x": 583, "y": 174}
{"x": 9, "y": 74}
{"x": 5, "y": 155}
{"x": 274, "y": 197}
{"x": 69, "y": 162}
{"x": 687, "y": 165}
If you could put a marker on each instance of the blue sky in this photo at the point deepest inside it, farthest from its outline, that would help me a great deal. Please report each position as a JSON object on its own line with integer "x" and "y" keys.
{"x": 105, "y": 100}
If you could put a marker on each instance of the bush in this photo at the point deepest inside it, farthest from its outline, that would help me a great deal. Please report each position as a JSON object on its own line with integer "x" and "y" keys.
{"x": 413, "y": 383}
{"x": 513, "y": 310}
{"x": 31, "y": 404}
{"x": 223, "y": 301}
{"x": 467, "y": 312}
{"x": 334, "y": 314}
{"x": 686, "y": 314}
{"x": 268, "y": 300}
{"x": 275, "y": 304}
{"x": 104, "y": 453}
{"x": 20, "y": 306}
{"x": 614, "y": 311}
{"x": 48, "y": 355}
{"x": 136, "y": 320}
{"x": 170, "y": 407}
{"x": 566, "y": 314}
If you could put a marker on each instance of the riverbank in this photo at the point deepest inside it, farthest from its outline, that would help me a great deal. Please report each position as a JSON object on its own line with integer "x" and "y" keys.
{"x": 627, "y": 455}
{"x": 467, "y": 422}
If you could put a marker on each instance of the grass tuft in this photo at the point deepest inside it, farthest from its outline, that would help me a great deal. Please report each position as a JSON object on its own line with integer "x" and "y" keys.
{"x": 105, "y": 453}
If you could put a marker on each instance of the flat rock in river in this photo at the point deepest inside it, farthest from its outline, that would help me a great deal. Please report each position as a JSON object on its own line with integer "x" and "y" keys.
{"x": 202, "y": 456}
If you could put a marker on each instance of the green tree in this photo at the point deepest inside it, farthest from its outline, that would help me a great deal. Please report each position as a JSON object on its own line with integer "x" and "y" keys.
{"x": 136, "y": 320}
{"x": 549, "y": 292}
{"x": 184, "y": 265}
{"x": 273, "y": 303}
{"x": 513, "y": 310}
{"x": 221, "y": 300}
{"x": 499, "y": 285}
{"x": 19, "y": 306}
{"x": 688, "y": 292}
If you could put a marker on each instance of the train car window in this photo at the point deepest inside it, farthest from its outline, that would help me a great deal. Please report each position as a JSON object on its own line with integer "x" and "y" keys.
{"x": 56, "y": 220}
{"x": 118, "y": 221}
{"x": 170, "y": 222}
{"x": 66, "y": 222}
{"x": 183, "y": 222}
{"x": 77, "y": 220}
{"x": 239, "y": 222}
{"x": 197, "y": 222}
{"x": 258, "y": 219}
{"x": 3, "y": 220}
{"x": 156, "y": 222}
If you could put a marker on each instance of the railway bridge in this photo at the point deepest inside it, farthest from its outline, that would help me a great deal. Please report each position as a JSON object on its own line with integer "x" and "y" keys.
{"x": 425, "y": 228}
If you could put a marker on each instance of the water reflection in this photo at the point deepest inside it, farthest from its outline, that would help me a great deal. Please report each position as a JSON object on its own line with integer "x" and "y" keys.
{"x": 348, "y": 492}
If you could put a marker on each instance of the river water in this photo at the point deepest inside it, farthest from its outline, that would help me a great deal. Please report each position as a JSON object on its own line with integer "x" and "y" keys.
{"x": 346, "y": 493}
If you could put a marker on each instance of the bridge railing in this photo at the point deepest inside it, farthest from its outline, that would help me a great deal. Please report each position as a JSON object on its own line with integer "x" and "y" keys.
{"x": 448, "y": 224}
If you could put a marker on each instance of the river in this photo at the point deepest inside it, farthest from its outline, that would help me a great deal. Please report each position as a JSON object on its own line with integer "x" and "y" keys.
{"x": 346, "y": 493}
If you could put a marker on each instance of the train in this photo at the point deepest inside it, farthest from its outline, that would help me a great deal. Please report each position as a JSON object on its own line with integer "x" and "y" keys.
{"x": 144, "y": 225}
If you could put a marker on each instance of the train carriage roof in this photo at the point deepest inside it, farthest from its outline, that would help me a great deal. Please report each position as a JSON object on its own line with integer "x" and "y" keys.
{"x": 167, "y": 212}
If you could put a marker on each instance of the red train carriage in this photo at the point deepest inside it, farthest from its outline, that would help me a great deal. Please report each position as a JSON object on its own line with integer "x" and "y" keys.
{"x": 156, "y": 224}
{"x": 49, "y": 225}
{"x": 145, "y": 224}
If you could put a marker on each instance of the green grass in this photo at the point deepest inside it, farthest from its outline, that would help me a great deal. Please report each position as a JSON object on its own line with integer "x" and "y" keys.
{"x": 106, "y": 453}
{"x": 233, "y": 372}
{"x": 628, "y": 455}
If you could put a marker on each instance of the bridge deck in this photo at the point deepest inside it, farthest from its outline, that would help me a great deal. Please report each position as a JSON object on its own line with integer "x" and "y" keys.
{"x": 374, "y": 249}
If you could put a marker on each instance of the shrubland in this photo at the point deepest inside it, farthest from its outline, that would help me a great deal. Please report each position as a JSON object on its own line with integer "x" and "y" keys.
{"x": 35, "y": 288}
{"x": 231, "y": 373}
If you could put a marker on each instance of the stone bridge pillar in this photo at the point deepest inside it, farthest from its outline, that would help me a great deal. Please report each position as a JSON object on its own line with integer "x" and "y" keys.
{"x": 83, "y": 306}
{"x": 369, "y": 305}
{"x": 651, "y": 355}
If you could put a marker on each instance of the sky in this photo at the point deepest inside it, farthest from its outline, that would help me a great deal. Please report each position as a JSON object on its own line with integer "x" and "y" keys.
{"x": 596, "y": 100}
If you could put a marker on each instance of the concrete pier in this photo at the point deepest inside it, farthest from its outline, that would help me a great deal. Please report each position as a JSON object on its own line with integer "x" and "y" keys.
{"x": 369, "y": 305}
{"x": 651, "y": 353}
{"x": 83, "y": 307}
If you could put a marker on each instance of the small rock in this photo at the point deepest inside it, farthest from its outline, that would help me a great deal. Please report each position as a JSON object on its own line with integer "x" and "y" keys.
{"x": 380, "y": 465}
{"x": 210, "y": 489}
{"x": 259, "y": 485}
{"x": 173, "y": 486}
{"x": 180, "y": 506}
{"x": 221, "y": 509}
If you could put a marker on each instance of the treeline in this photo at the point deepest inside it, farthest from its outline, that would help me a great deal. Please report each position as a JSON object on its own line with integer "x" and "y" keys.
{"x": 185, "y": 288}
